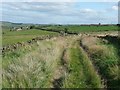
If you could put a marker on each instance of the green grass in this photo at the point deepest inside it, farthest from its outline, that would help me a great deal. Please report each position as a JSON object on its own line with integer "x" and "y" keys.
{"x": 105, "y": 57}
{"x": 92, "y": 28}
{"x": 82, "y": 73}
{"x": 78, "y": 28}
{"x": 107, "y": 60}
{"x": 27, "y": 32}
{"x": 11, "y": 37}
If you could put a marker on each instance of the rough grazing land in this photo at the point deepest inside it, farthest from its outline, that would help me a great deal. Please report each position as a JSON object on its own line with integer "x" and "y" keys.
{"x": 73, "y": 61}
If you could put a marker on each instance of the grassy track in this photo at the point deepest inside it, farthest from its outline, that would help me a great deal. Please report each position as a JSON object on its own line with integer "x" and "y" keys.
{"x": 61, "y": 62}
{"x": 81, "y": 71}
{"x": 42, "y": 63}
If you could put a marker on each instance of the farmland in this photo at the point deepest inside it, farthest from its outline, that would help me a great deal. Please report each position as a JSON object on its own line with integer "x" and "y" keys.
{"x": 21, "y": 36}
{"x": 11, "y": 37}
{"x": 83, "y": 28}
{"x": 84, "y": 60}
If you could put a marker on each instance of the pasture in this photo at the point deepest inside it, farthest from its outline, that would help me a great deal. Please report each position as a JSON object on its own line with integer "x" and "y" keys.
{"x": 89, "y": 28}
{"x": 11, "y": 37}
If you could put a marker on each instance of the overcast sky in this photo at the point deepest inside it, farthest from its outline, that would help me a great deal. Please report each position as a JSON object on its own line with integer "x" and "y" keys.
{"x": 60, "y": 12}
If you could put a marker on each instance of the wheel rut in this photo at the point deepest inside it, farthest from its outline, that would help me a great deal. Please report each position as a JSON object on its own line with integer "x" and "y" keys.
{"x": 60, "y": 73}
{"x": 103, "y": 79}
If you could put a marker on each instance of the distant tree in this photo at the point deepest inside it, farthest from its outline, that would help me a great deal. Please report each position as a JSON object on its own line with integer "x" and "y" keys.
{"x": 99, "y": 24}
{"x": 66, "y": 30}
{"x": 32, "y": 26}
{"x": 118, "y": 25}
{"x": 3, "y": 32}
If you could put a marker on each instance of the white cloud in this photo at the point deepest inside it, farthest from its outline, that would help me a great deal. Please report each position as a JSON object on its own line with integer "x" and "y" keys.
{"x": 57, "y": 12}
{"x": 115, "y": 7}
{"x": 88, "y": 10}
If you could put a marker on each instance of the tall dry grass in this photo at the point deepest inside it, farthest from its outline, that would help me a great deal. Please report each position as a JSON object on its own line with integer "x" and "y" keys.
{"x": 34, "y": 69}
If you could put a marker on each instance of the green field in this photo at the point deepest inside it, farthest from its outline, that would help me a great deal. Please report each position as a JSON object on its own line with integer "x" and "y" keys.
{"x": 11, "y": 37}
{"x": 78, "y": 28}
{"x": 92, "y": 28}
